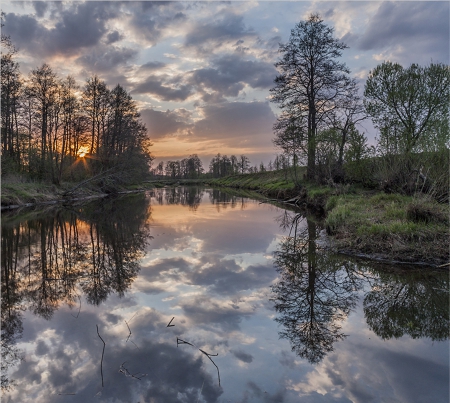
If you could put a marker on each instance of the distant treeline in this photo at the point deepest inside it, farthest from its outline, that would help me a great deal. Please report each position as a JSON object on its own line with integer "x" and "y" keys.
{"x": 220, "y": 166}
{"x": 53, "y": 129}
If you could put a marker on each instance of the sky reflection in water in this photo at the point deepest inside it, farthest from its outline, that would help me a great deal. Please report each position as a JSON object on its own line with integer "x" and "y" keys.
{"x": 235, "y": 281}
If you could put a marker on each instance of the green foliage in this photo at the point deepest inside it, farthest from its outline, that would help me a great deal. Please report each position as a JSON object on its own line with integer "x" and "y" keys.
{"x": 410, "y": 106}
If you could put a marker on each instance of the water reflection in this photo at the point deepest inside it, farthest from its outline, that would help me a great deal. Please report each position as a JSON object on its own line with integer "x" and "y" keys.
{"x": 315, "y": 293}
{"x": 47, "y": 260}
{"x": 414, "y": 304}
{"x": 210, "y": 266}
{"x": 317, "y": 290}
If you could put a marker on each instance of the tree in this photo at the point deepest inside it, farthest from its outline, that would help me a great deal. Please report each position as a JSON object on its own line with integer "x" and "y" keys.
{"x": 95, "y": 103}
{"x": 42, "y": 90}
{"x": 311, "y": 79}
{"x": 243, "y": 164}
{"x": 10, "y": 92}
{"x": 408, "y": 105}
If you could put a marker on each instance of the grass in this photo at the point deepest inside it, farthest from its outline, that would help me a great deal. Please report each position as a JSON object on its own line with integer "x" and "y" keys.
{"x": 277, "y": 184}
{"x": 397, "y": 226}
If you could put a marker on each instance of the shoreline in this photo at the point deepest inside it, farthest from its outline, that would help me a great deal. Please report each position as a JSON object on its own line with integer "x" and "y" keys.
{"x": 361, "y": 223}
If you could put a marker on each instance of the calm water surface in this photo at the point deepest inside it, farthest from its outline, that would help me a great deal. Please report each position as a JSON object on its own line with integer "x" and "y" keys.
{"x": 193, "y": 295}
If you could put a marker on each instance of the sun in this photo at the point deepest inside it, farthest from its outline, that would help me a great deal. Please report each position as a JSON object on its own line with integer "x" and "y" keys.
{"x": 82, "y": 151}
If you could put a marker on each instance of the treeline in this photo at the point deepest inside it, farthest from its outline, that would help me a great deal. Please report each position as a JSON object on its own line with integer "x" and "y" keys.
{"x": 322, "y": 109}
{"x": 220, "y": 166}
{"x": 50, "y": 124}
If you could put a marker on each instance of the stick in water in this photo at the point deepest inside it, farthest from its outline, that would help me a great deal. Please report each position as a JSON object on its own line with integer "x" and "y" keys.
{"x": 209, "y": 356}
{"x": 103, "y": 352}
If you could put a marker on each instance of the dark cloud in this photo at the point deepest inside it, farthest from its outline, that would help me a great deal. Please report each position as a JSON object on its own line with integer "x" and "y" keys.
{"x": 82, "y": 25}
{"x": 225, "y": 28}
{"x": 240, "y": 123}
{"x": 227, "y": 277}
{"x": 40, "y": 7}
{"x": 153, "y": 85}
{"x": 160, "y": 124}
{"x": 152, "y": 66}
{"x": 41, "y": 348}
{"x": 422, "y": 27}
{"x": 242, "y": 355}
{"x": 203, "y": 310}
{"x": 229, "y": 74}
{"x": 213, "y": 79}
{"x": 149, "y": 20}
{"x": 106, "y": 59}
{"x": 113, "y": 36}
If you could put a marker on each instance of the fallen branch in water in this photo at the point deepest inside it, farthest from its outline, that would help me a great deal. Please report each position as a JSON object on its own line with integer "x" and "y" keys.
{"x": 103, "y": 352}
{"x": 79, "y": 309}
{"x": 179, "y": 341}
{"x": 125, "y": 371}
{"x": 129, "y": 335}
{"x": 209, "y": 356}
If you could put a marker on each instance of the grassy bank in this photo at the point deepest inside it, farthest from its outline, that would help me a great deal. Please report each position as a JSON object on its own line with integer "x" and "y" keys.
{"x": 389, "y": 226}
{"x": 16, "y": 192}
{"x": 359, "y": 221}
{"x": 364, "y": 222}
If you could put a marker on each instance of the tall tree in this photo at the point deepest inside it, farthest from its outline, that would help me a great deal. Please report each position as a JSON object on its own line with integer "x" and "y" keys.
{"x": 10, "y": 92}
{"x": 311, "y": 79}
{"x": 42, "y": 89}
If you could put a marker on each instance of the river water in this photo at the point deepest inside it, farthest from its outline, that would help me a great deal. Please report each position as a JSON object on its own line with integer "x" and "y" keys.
{"x": 196, "y": 295}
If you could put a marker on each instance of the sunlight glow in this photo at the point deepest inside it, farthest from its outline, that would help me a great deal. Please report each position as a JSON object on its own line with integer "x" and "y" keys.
{"x": 82, "y": 151}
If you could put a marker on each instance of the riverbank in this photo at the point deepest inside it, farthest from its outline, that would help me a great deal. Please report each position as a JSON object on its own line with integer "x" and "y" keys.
{"x": 16, "y": 193}
{"x": 358, "y": 221}
{"x": 364, "y": 222}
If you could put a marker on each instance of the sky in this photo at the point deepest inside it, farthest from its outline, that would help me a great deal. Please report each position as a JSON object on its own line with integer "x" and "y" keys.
{"x": 201, "y": 72}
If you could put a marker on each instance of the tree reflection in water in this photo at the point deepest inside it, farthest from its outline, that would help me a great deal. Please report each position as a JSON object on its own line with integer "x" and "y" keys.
{"x": 315, "y": 293}
{"x": 317, "y": 290}
{"x": 49, "y": 260}
{"x": 414, "y": 304}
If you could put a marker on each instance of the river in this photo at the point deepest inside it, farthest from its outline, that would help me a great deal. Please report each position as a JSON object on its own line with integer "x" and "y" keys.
{"x": 195, "y": 295}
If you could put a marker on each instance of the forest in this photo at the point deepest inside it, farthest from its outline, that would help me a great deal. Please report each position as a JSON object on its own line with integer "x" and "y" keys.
{"x": 54, "y": 130}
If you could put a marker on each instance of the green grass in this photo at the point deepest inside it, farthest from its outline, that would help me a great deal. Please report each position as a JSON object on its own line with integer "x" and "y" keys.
{"x": 404, "y": 227}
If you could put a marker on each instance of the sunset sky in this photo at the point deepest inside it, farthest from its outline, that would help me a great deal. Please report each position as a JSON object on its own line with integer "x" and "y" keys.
{"x": 201, "y": 71}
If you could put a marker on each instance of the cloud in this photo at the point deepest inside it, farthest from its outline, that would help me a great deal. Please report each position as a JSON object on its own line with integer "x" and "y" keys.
{"x": 161, "y": 124}
{"x": 150, "y": 20}
{"x": 225, "y": 28}
{"x": 40, "y": 7}
{"x": 113, "y": 36}
{"x": 106, "y": 59}
{"x": 419, "y": 27}
{"x": 152, "y": 66}
{"x": 154, "y": 86}
{"x": 82, "y": 25}
{"x": 203, "y": 310}
{"x": 227, "y": 277}
{"x": 242, "y": 356}
{"x": 229, "y": 74}
{"x": 244, "y": 124}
